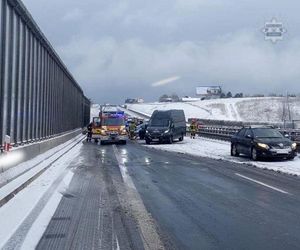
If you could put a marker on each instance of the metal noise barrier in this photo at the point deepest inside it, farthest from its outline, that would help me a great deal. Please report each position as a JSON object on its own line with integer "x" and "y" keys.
{"x": 39, "y": 98}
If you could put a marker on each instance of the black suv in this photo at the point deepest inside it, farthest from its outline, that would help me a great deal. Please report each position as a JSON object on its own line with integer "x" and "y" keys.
{"x": 262, "y": 142}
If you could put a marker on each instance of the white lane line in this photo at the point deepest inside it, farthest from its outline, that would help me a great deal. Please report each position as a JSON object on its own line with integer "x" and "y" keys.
{"x": 117, "y": 240}
{"x": 263, "y": 184}
{"x": 124, "y": 171}
{"x": 150, "y": 237}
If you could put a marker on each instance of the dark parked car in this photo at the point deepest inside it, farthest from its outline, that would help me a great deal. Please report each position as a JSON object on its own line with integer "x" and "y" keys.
{"x": 262, "y": 142}
{"x": 141, "y": 130}
{"x": 166, "y": 126}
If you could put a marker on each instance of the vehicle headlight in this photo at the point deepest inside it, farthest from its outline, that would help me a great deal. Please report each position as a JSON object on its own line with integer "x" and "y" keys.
{"x": 103, "y": 132}
{"x": 294, "y": 145}
{"x": 167, "y": 131}
{"x": 147, "y": 132}
{"x": 123, "y": 132}
{"x": 263, "y": 145}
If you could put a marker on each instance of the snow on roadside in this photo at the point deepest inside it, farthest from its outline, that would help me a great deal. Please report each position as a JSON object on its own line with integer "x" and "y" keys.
{"x": 40, "y": 225}
{"x": 25, "y": 166}
{"x": 214, "y": 149}
{"x": 133, "y": 114}
{"x": 14, "y": 213}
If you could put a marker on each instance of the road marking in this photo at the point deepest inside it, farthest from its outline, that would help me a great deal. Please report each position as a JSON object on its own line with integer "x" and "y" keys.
{"x": 263, "y": 184}
{"x": 117, "y": 240}
{"x": 124, "y": 172}
{"x": 150, "y": 237}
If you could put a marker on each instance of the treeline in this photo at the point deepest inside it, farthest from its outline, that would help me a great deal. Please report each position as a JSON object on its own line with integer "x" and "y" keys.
{"x": 281, "y": 95}
{"x": 230, "y": 95}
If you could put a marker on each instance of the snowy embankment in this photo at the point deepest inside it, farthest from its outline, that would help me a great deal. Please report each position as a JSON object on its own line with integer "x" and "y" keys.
{"x": 26, "y": 216}
{"x": 35, "y": 164}
{"x": 220, "y": 150}
{"x": 95, "y": 109}
{"x": 266, "y": 109}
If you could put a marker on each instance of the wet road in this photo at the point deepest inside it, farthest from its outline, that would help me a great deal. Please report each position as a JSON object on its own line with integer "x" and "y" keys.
{"x": 194, "y": 203}
{"x": 90, "y": 215}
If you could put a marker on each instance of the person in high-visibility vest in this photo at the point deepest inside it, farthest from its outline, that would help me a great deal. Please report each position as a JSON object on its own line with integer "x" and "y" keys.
{"x": 132, "y": 128}
{"x": 193, "y": 128}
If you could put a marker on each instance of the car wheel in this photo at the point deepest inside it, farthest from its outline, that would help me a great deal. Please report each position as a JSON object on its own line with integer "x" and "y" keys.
{"x": 102, "y": 142}
{"x": 181, "y": 138}
{"x": 291, "y": 158}
{"x": 148, "y": 141}
{"x": 234, "y": 151}
{"x": 254, "y": 155}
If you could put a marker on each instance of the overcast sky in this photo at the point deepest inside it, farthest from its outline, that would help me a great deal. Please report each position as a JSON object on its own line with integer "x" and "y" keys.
{"x": 119, "y": 48}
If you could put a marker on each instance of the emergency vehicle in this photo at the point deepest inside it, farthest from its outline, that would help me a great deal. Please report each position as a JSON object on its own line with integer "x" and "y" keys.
{"x": 111, "y": 127}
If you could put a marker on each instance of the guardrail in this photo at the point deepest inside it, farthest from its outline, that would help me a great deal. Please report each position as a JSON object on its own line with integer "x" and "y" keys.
{"x": 222, "y": 133}
{"x": 145, "y": 116}
{"x": 294, "y": 134}
{"x": 225, "y": 133}
{"x": 139, "y": 114}
{"x": 286, "y": 125}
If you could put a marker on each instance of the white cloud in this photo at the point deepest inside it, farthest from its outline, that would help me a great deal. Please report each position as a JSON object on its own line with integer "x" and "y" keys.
{"x": 73, "y": 15}
{"x": 235, "y": 61}
{"x": 193, "y": 5}
{"x": 132, "y": 43}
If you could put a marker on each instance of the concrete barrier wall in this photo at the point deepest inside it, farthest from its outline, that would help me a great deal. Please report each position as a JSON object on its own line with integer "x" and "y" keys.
{"x": 28, "y": 152}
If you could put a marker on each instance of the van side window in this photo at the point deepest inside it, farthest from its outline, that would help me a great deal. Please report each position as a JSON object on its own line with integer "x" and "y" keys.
{"x": 248, "y": 133}
{"x": 242, "y": 132}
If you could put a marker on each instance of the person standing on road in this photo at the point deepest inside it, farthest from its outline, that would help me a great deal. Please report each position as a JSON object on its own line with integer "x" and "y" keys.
{"x": 193, "y": 129}
{"x": 132, "y": 128}
{"x": 89, "y": 132}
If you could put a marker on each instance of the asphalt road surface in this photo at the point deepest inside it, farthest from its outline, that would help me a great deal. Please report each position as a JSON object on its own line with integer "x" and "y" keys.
{"x": 133, "y": 197}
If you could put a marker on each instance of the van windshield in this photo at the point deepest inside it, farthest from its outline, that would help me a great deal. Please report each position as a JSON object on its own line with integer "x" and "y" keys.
{"x": 160, "y": 123}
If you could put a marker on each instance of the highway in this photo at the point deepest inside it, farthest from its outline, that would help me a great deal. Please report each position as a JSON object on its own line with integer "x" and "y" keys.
{"x": 58, "y": 191}
{"x": 134, "y": 197}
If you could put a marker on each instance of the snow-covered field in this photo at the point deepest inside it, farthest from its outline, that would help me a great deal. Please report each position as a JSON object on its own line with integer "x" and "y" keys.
{"x": 95, "y": 108}
{"x": 221, "y": 150}
{"x": 266, "y": 109}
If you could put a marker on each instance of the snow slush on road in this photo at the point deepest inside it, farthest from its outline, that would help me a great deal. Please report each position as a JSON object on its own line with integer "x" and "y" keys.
{"x": 220, "y": 150}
